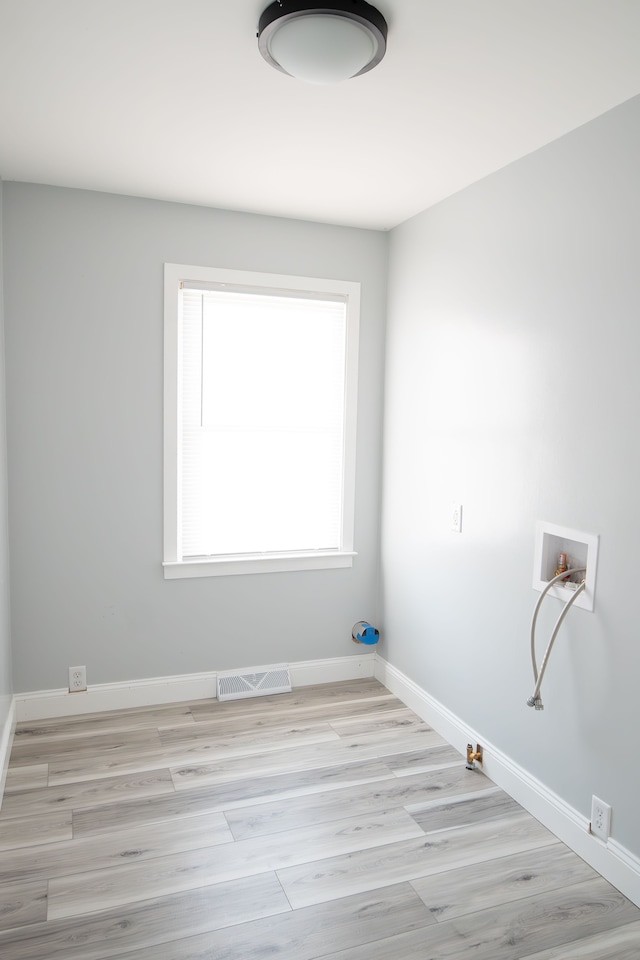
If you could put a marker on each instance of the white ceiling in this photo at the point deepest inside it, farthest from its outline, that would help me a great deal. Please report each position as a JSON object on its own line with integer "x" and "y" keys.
{"x": 171, "y": 99}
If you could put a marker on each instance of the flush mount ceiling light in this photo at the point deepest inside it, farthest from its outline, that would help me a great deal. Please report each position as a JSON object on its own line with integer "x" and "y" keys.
{"x": 322, "y": 44}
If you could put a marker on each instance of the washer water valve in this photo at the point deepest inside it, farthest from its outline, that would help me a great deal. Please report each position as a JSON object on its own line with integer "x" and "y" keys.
{"x": 473, "y": 756}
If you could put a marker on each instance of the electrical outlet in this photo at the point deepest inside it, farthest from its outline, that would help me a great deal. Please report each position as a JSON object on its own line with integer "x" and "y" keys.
{"x": 77, "y": 679}
{"x": 456, "y": 517}
{"x": 600, "y": 819}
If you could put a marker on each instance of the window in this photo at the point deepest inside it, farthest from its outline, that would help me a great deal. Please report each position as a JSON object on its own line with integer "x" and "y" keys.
{"x": 260, "y": 417}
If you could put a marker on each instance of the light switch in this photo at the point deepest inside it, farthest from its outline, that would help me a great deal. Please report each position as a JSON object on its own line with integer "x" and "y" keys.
{"x": 456, "y": 517}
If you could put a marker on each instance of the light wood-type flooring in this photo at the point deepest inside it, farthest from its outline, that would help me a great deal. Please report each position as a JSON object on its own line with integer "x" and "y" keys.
{"x": 330, "y": 822}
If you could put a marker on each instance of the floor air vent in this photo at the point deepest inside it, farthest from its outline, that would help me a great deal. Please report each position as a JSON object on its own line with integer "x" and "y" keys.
{"x": 253, "y": 683}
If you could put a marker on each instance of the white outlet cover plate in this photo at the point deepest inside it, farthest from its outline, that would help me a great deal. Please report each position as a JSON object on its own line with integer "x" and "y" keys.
{"x": 600, "y": 819}
{"x": 77, "y": 679}
{"x": 456, "y": 517}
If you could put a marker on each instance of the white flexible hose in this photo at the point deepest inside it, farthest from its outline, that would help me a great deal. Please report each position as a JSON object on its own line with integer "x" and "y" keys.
{"x": 534, "y": 699}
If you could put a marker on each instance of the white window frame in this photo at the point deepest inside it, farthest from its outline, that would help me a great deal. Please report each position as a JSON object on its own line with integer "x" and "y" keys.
{"x": 176, "y": 567}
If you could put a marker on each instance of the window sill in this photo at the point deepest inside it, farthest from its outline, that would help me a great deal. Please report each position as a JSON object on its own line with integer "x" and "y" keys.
{"x": 231, "y": 566}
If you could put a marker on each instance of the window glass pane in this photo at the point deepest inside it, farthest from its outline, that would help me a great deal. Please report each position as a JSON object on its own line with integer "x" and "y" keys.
{"x": 262, "y": 427}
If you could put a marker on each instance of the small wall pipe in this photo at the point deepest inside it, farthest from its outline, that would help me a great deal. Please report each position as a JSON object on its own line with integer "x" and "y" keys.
{"x": 363, "y": 632}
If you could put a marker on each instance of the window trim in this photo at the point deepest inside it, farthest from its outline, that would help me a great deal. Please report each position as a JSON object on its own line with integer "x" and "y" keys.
{"x": 174, "y": 566}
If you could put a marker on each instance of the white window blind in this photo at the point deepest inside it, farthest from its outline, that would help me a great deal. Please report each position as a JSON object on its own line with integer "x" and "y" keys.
{"x": 262, "y": 403}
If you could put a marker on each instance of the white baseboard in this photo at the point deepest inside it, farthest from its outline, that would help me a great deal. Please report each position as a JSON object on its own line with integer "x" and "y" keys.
{"x": 613, "y": 861}
{"x": 307, "y": 672}
{"x": 6, "y": 739}
{"x": 48, "y": 704}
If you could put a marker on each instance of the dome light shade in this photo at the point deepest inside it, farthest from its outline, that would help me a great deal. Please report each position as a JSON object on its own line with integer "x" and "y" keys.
{"x": 322, "y": 44}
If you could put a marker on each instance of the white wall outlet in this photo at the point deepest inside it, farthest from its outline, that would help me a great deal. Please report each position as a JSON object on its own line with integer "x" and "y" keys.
{"x": 456, "y": 517}
{"x": 600, "y": 819}
{"x": 77, "y": 679}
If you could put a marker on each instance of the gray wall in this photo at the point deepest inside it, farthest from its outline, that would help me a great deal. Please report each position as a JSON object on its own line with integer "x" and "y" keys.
{"x": 6, "y": 686}
{"x": 512, "y": 386}
{"x": 84, "y": 328}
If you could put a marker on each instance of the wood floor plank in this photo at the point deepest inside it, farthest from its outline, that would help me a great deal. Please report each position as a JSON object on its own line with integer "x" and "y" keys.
{"x": 244, "y": 738}
{"x": 22, "y": 904}
{"x": 89, "y": 724}
{"x": 494, "y": 882}
{"x": 288, "y": 814}
{"x": 22, "y": 832}
{"x": 280, "y": 714}
{"x": 155, "y": 921}
{"x": 363, "y": 870}
{"x": 415, "y": 761}
{"x": 401, "y": 718}
{"x": 298, "y": 707}
{"x": 226, "y": 796}
{"x": 27, "y": 778}
{"x": 508, "y": 932}
{"x": 190, "y": 750}
{"x": 311, "y": 757}
{"x": 74, "y": 795}
{"x": 620, "y": 943}
{"x": 62, "y": 750}
{"x": 339, "y": 694}
{"x": 461, "y": 811}
{"x": 102, "y": 889}
{"x": 136, "y": 844}
{"x": 303, "y": 934}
